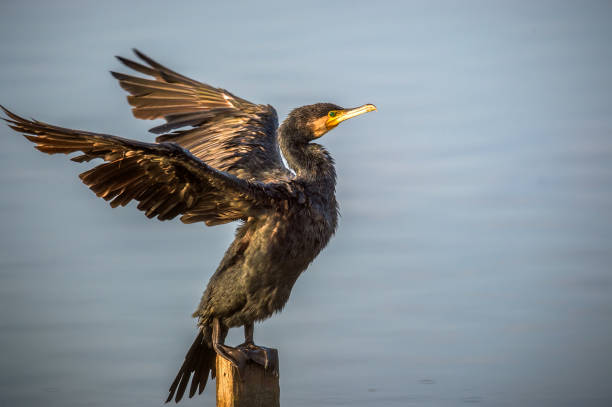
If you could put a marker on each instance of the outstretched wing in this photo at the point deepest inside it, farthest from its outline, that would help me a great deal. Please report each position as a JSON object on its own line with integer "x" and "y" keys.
{"x": 226, "y": 132}
{"x": 164, "y": 178}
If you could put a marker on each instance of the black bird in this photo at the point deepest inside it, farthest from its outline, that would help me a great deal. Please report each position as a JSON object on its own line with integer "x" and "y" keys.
{"x": 218, "y": 160}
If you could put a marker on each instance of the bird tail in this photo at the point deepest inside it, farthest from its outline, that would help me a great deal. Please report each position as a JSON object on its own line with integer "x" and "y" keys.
{"x": 199, "y": 360}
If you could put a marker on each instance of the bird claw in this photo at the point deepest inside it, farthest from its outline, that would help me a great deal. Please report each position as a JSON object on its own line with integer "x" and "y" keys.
{"x": 235, "y": 356}
{"x": 240, "y": 355}
{"x": 266, "y": 357}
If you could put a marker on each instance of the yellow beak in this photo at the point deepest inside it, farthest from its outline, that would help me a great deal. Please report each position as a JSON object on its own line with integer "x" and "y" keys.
{"x": 343, "y": 115}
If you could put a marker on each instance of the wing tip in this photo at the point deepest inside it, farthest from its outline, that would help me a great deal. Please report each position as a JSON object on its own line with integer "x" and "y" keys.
{"x": 142, "y": 56}
{"x": 6, "y": 112}
{"x": 117, "y": 75}
{"x": 12, "y": 117}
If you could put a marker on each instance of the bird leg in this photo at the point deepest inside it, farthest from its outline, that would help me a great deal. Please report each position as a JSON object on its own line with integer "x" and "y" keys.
{"x": 266, "y": 357}
{"x": 235, "y": 356}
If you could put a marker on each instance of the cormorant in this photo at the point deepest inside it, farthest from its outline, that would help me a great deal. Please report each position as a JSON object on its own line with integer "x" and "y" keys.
{"x": 218, "y": 160}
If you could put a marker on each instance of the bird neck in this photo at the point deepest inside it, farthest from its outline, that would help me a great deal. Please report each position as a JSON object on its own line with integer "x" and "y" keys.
{"x": 310, "y": 161}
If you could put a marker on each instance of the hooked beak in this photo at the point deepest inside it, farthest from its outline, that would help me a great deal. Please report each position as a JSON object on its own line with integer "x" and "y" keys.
{"x": 343, "y": 115}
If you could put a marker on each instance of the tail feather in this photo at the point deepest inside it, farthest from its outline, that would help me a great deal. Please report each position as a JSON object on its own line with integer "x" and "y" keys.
{"x": 199, "y": 360}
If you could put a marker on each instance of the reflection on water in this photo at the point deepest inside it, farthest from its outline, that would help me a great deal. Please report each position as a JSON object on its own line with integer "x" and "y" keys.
{"x": 472, "y": 262}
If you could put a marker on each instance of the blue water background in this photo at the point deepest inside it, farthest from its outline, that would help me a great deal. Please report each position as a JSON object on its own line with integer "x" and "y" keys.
{"x": 473, "y": 261}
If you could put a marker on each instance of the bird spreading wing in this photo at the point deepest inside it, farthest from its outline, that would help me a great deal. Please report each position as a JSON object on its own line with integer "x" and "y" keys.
{"x": 226, "y": 132}
{"x": 164, "y": 178}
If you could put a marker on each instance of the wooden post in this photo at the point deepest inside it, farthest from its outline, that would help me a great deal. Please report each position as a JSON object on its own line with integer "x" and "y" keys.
{"x": 258, "y": 389}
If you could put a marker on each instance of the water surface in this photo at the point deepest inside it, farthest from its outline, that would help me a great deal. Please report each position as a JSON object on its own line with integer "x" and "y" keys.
{"x": 472, "y": 261}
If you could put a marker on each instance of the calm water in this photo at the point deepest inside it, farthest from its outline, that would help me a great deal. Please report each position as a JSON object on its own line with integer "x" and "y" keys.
{"x": 473, "y": 259}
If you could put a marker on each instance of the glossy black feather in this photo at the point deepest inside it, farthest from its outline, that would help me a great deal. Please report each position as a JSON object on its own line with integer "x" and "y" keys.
{"x": 164, "y": 178}
{"x": 230, "y": 133}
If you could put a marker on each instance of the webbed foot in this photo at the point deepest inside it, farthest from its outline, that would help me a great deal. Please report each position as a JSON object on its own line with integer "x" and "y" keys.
{"x": 241, "y": 354}
{"x": 266, "y": 357}
{"x": 236, "y": 356}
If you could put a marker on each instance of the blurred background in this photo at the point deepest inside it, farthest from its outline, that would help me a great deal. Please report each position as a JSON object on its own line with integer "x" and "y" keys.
{"x": 473, "y": 258}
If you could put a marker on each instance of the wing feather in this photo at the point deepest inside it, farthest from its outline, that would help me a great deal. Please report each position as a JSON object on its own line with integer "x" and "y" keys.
{"x": 164, "y": 178}
{"x": 227, "y": 132}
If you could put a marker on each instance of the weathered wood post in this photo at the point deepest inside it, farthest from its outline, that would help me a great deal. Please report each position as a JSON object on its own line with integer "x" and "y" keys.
{"x": 257, "y": 388}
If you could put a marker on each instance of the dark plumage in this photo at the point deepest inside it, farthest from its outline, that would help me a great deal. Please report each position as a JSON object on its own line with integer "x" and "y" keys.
{"x": 219, "y": 160}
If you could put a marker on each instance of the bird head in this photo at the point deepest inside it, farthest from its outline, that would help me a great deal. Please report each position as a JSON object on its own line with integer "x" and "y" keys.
{"x": 313, "y": 121}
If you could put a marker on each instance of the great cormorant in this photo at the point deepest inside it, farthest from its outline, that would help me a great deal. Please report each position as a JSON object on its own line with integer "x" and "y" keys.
{"x": 218, "y": 160}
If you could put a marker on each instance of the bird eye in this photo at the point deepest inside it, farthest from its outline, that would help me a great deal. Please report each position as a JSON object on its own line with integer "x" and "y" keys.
{"x": 332, "y": 114}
